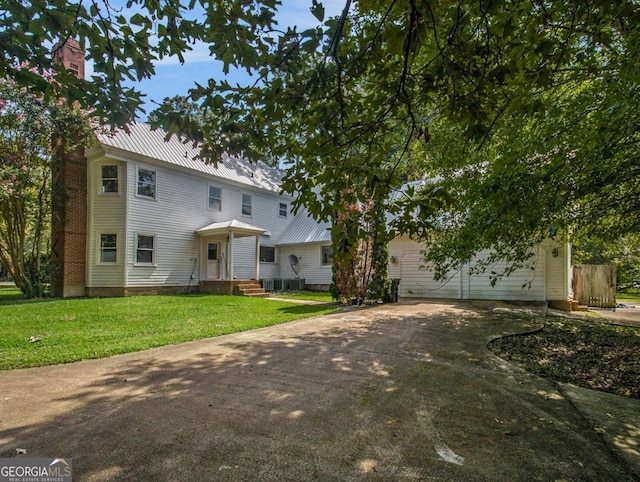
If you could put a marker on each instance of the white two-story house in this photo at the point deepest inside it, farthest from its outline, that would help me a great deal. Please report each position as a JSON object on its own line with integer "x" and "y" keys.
{"x": 159, "y": 220}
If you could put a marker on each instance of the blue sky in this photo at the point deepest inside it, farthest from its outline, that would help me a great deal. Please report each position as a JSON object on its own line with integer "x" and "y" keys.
{"x": 173, "y": 78}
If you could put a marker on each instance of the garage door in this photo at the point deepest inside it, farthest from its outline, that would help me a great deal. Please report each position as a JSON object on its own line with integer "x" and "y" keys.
{"x": 524, "y": 284}
{"x": 416, "y": 282}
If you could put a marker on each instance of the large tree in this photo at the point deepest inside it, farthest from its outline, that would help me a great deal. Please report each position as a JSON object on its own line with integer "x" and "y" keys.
{"x": 524, "y": 110}
{"x": 28, "y": 124}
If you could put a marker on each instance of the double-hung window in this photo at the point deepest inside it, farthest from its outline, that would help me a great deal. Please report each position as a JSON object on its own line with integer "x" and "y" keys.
{"x": 326, "y": 256}
{"x": 145, "y": 249}
{"x": 282, "y": 210}
{"x": 146, "y": 185}
{"x": 108, "y": 248}
{"x": 109, "y": 175}
{"x": 215, "y": 198}
{"x": 247, "y": 202}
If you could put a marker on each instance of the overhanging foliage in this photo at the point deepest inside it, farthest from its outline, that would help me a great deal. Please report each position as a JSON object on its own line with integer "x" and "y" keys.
{"x": 526, "y": 111}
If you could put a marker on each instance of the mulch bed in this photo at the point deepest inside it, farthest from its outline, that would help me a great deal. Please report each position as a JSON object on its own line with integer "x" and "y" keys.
{"x": 588, "y": 353}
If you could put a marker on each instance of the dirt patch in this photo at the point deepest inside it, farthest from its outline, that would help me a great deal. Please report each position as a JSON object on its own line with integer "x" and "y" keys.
{"x": 588, "y": 353}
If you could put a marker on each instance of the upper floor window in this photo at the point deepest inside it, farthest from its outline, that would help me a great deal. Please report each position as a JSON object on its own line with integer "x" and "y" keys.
{"x": 215, "y": 198}
{"x": 247, "y": 202}
{"x": 267, "y": 254}
{"x": 326, "y": 256}
{"x": 110, "y": 179}
{"x": 145, "y": 249}
{"x": 108, "y": 248}
{"x": 282, "y": 210}
{"x": 146, "y": 183}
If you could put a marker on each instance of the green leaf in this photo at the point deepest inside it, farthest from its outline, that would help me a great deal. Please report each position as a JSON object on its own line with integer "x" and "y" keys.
{"x": 317, "y": 10}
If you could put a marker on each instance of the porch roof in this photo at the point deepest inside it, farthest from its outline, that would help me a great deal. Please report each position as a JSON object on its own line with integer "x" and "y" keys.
{"x": 238, "y": 228}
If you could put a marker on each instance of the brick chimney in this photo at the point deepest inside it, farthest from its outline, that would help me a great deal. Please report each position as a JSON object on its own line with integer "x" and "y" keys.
{"x": 69, "y": 200}
{"x": 70, "y": 55}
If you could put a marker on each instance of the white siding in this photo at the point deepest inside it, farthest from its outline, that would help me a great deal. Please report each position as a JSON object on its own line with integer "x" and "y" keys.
{"x": 271, "y": 270}
{"x": 309, "y": 264}
{"x": 265, "y": 215}
{"x": 180, "y": 208}
{"x": 524, "y": 284}
{"x": 417, "y": 280}
{"x": 244, "y": 256}
{"x": 107, "y": 215}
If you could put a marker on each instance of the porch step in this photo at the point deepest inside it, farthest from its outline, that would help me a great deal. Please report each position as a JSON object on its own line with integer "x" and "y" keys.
{"x": 250, "y": 289}
{"x": 257, "y": 295}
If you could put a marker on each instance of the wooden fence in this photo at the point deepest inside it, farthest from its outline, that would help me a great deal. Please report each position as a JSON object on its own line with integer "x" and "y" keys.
{"x": 595, "y": 285}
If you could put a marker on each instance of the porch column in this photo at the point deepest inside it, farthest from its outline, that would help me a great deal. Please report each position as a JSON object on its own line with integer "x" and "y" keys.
{"x": 230, "y": 260}
{"x": 257, "y": 273}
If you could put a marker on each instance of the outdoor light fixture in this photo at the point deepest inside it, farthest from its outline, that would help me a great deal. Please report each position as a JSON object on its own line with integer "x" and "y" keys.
{"x": 554, "y": 252}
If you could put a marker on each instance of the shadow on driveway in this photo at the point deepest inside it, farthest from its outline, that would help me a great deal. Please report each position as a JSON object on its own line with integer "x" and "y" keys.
{"x": 397, "y": 392}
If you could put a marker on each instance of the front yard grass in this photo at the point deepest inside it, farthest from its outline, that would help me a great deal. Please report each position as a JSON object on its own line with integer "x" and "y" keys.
{"x": 320, "y": 296}
{"x": 589, "y": 353}
{"x": 9, "y": 292}
{"x": 79, "y": 329}
{"x": 631, "y": 295}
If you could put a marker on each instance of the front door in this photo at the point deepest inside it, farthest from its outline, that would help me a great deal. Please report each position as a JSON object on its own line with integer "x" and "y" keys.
{"x": 213, "y": 261}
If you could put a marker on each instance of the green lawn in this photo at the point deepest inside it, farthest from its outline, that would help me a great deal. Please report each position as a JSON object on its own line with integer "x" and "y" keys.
{"x": 8, "y": 293}
{"x": 72, "y": 330}
{"x": 321, "y": 296}
{"x": 630, "y": 295}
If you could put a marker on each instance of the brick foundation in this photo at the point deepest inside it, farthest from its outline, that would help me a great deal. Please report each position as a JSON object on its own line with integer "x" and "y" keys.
{"x": 100, "y": 292}
{"x": 105, "y": 292}
{"x": 160, "y": 290}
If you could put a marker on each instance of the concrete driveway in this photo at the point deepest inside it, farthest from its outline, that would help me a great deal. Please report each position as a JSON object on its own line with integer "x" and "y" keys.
{"x": 397, "y": 392}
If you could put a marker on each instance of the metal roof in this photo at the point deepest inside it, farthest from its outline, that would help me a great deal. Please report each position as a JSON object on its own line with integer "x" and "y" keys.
{"x": 151, "y": 143}
{"x": 305, "y": 229}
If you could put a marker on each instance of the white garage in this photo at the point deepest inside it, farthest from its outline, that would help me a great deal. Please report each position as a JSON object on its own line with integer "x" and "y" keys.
{"x": 547, "y": 278}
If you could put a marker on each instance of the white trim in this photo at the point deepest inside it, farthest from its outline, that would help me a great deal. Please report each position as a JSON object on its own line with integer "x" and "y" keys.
{"x": 99, "y": 249}
{"x": 154, "y": 251}
{"x": 322, "y": 264}
{"x": 138, "y": 167}
{"x": 275, "y": 256}
{"x": 242, "y": 204}
{"x": 101, "y": 191}
{"x": 209, "y": 186}
{"x": 286, "y": 210}
{"x": 238, "y": 227}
